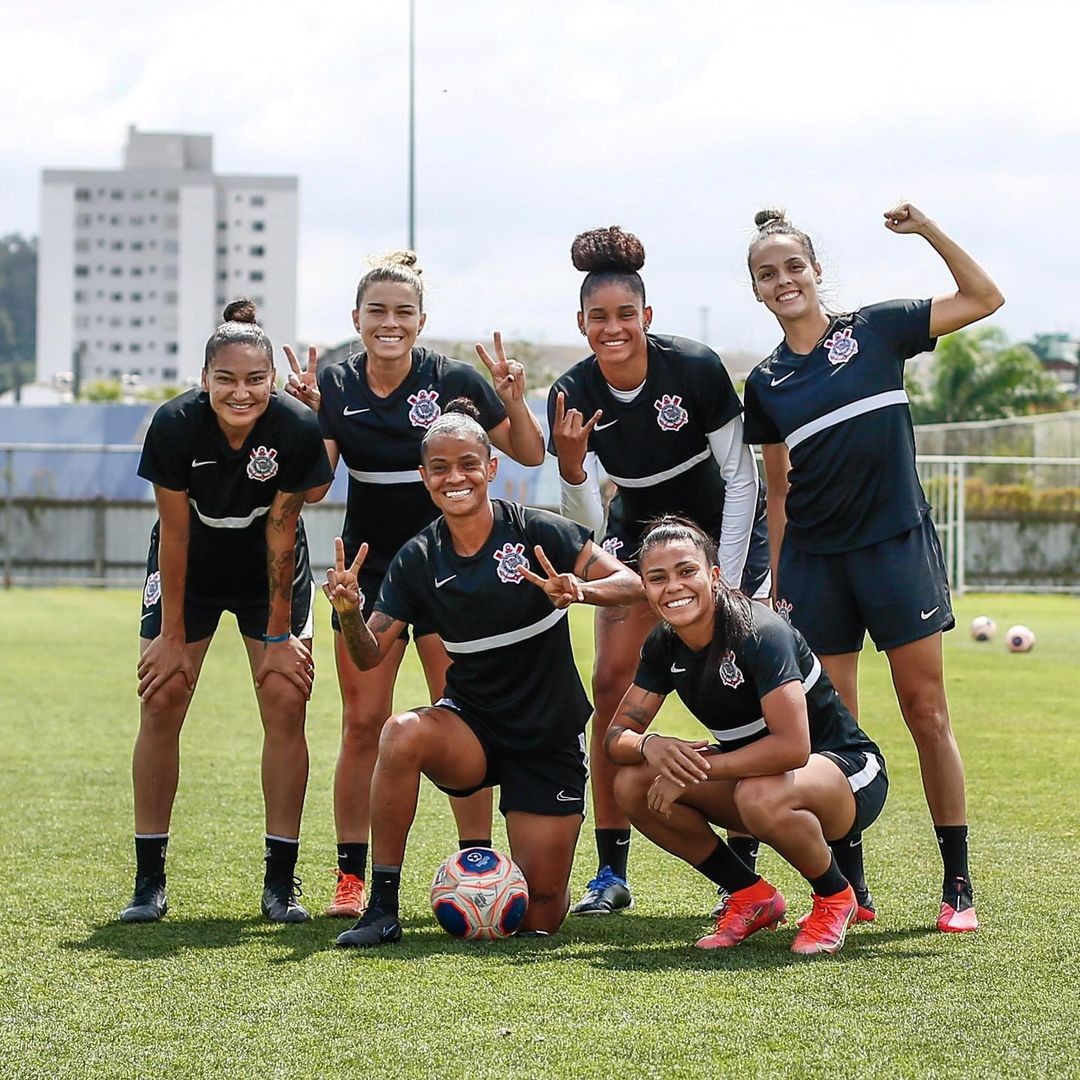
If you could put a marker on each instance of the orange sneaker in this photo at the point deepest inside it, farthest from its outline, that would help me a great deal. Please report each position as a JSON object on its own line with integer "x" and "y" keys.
{"x": 758, "y": 907}
{"x": 957, "y": 915}
{"x": 348, "y": 902}
{"x": 826, "y": 927}
{"x": 866, "y": 912}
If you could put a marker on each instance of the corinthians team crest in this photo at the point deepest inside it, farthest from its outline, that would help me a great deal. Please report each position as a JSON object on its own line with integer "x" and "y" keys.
{"x": 842, "y": 346}
{"x": 612, "y": 545}
{"x": 263, "y": 464}
{"x": 425, "y": 408}
{"x": 730, "y": 675}
{"x": 152, "y": 591}
{"x": 512, "y": 560}
{"x": 784, "y": 609}
{"x": 670, "y": 414}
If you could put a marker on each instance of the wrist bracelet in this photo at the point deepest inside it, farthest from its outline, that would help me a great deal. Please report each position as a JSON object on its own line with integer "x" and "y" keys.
{"x": 275, "y": 639}
{"x": 641, "y": 745}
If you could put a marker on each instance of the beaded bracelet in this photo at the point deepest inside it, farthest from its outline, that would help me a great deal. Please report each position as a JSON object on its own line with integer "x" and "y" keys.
{"x": 275, "y": 639}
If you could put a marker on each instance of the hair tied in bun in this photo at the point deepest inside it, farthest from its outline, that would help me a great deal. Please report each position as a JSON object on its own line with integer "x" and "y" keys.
{"x": 240, "y": 310}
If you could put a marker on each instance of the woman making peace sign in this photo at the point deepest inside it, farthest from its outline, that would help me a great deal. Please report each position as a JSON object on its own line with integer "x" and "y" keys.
{"x": 513, "y": 709}
{"x": 374, "y": 409}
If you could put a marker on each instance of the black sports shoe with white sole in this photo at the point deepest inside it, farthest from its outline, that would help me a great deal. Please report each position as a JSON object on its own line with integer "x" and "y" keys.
{"x": 148, "y": 903}
{"x": 279, "y": 903}
{"x": 604, "y": 895}
{"x": 374, "y": 927}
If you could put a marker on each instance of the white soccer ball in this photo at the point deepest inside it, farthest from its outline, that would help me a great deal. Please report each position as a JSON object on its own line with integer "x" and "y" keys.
{"x": 479, "y": 894}
{"x": 1019, "y": 639}
{"x": 983, "y": 628}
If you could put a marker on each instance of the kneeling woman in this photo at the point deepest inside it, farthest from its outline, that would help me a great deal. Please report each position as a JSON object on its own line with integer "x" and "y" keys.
{"x": 789, "y": 765}
{"x": 514, "y": 708}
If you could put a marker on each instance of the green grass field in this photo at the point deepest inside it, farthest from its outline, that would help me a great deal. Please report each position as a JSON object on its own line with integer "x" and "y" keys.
{"x": 215, "y": 991}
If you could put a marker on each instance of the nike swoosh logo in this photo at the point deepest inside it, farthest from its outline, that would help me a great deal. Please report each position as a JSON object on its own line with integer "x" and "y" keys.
{"x": 600, "y": 427}
{"x": 924, "y": 615}
{"x": 563, "y": 797}
{"x": 196, "y": 464}
{"x": 855, "y": 843}
{"x": 677, "y": 670}
{"x": 147, "y": 615}
{"x": 439, "y": 584}
{"x": 353, "y": 412}
{"x": 622, "y": 843}
{"x": 777, "y": 382}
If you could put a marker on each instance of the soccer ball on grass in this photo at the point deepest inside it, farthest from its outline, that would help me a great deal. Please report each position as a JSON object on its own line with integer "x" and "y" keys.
{"x": 479, "y": 894}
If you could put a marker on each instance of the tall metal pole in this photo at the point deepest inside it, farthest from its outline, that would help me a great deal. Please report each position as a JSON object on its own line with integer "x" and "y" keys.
{"x": 412, "y": 125}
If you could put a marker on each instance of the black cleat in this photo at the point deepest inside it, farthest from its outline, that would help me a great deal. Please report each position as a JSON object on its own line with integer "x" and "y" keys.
{"x": 374, "y": 927}
{"x": 605, "y": 894}
{"x": 148, "y": 903}
{"x": 279, "y": 903}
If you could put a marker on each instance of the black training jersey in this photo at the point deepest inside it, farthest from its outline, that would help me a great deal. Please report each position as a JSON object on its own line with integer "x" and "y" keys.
{"x": 655, "y": 449}
{"x": 512, "y": 668}
{"x": 843, "y": 412}
{"x": 726, "y": 696}
{"x": 379, "y": 440}
{"x": 230, "y": 491}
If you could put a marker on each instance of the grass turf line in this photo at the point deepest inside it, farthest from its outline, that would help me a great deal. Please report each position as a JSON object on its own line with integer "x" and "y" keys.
{"x": 215, "y": 991}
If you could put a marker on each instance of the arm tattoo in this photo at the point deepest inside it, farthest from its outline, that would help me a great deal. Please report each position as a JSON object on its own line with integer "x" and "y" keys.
{"x": 379, "y": 622}
{"x": 594, "y": 558}
{"x": 636, "y": 714}
{"x": 359, "y": 640}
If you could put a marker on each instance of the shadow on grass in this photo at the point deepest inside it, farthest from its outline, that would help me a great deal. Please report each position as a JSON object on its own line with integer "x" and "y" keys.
{"x": 171, "y": 937}
{"x": 640, "y": 943}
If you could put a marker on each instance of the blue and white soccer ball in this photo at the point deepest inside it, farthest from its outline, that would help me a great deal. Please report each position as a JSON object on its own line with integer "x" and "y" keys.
{"x": 479, "y": 894}
{"x": 983, "y": 628}
{"x": 1019, "y": 639}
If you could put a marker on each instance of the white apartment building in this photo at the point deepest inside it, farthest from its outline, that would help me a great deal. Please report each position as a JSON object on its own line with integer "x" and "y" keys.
{"x": 136, "y": 264}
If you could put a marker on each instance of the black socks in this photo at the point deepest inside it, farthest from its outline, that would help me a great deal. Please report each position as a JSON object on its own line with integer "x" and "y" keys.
{"x": 725, "y": 869}
{"x": 746, "y": 847}
{"x": 352, "y": 859}
{"x": 385, "y": 883}
{"x": 612, "y": 849}
{"x": 280, "y": 859}
{"x": 953, "y": 841}
{"x": 150, "y": 854}
{"x": 831, "y": 882}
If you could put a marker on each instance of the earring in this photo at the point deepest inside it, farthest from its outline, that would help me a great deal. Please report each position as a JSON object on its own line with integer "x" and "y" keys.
{"x": 646, "y": 327}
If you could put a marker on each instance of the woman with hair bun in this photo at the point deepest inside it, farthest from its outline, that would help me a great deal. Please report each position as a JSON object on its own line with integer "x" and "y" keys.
{"x": 660, "y": 415}
{"x": 232, "y": 464}
{"x": 374, "y": 409}
{"x": 786, "y": 761}
{"x": 853, "y": 548}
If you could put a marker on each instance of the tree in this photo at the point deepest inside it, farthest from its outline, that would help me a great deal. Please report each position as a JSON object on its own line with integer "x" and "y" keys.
{"x": 18, "y": 308}
{"x": 980, "y": 375}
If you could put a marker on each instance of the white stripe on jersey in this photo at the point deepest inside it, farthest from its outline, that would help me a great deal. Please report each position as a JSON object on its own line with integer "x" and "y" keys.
{"x": 406, "y": 476}
{"x": 845, "y": 412}
{"x": 731, "y": 734}
{"x": 230, "y": 522}
{"x": 660, "y": 477}
{"x": 511, "y": 637}
{"x": 866, "y": 774}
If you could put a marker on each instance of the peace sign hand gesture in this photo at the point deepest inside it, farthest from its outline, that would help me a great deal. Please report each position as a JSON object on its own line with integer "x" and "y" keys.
{"x": 570, "y": 432}
{"x": 562, "y": 589}
{"x": 302, "y": 384}
{"x": 342, "y": 587}
{"x": 508, "y": 376}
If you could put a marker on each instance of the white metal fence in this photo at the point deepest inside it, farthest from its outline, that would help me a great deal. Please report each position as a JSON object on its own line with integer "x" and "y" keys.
{"x": 1007, "y": 523}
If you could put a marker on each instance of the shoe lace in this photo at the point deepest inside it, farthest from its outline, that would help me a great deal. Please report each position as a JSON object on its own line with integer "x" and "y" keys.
{"x": 605, "y": 877}
{"x": 821, "y": 922}
{"x": 349, "y": 886}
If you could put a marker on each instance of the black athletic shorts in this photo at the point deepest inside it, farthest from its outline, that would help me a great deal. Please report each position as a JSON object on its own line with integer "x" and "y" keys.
{"x": 203, "y": 607}
{"x": 370, "y": 582}
{"x": 896, "y": 590}
{"x": 549, "y": 782}
{"x": 869, "y": 783}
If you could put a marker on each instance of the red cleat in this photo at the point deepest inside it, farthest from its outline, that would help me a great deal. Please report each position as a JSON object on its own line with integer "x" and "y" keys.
{"x": 957, "y": 915}
{"x": 865, "y": 912}
{"x": 758, "y": 907}
{"x": 348, "y": 902}
{"x": 824, "y": 929}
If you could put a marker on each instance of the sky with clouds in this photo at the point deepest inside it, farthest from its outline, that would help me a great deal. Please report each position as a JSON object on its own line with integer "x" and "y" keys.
{"x": 675, "y": 119}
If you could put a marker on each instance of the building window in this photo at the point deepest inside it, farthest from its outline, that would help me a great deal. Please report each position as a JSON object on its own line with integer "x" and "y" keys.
{"x": 116, "y": 271}
{"x": 172, "y": 348}
{"x": 117, "y": 245}
{"x": 170, "y": 298}
{"x": 258, "y": 200}
{"x": 223, "y": 275}
{"x": 137, "y": 196}
{"x": 257, "y": 250}
{"x": 172, "y": 196}
{"x": 168, "y": 374}
{"x": 115, "y": 322}
{"x": 222, "y": 226}
{"x": 116, "y": 297}
{"x": 81, "y": 296}
{"x": 170, "y": 247}
{"x": 114, "y": 220}
{"x": 135, "y": 322}
{"x": 82, "y": 245}
{"x": 136, "y": 271}
{"x": 222, "y": 250}
{"x": 116, "y": 347}
{"x": 134, "y": 347}
{"x": 258, "y": 226}
{"x": 136, "y": 297}
{"x": 238, "y": 198}
{"x": 136, "y": 220}
{"x": 82, "y": 194}
{"x": 255, "y": 275}
{"x": 116, "y": 194}
{"x": 82, "y": 271}
{"x": 82, "y": 220}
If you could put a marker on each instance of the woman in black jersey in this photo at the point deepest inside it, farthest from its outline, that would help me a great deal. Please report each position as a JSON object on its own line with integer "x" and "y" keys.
{"x": 374, "y": 409}
{"x": 787, "y": 762}
{"x": 859, "y": 553}
{"x": 232, "y": 464}
{"x": 660, "y": 415}
{"x": 513, "y": 709}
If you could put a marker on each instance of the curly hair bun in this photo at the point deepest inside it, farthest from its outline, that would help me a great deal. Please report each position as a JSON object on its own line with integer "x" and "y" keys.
{"x": 463, "y": 406}
{"x": 608, "y": 250}
{"x": 769, "y": 215}
{"x": 401, "y": 257}
{"x": 240, "y": 310}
